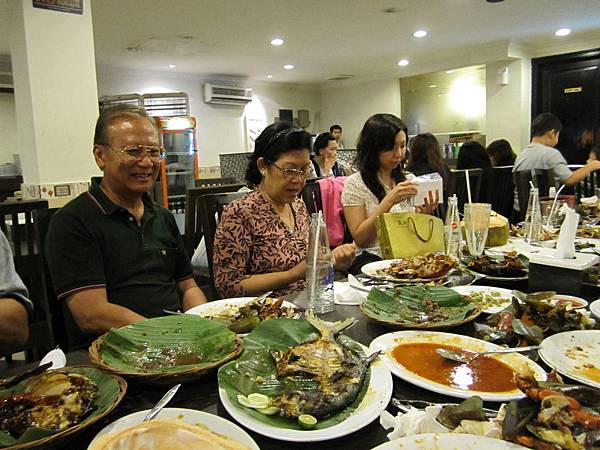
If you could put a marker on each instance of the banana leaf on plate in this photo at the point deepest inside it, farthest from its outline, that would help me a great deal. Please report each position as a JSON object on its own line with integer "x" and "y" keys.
{"x": 254, "y": 371}
{"x": 421, "y": 307}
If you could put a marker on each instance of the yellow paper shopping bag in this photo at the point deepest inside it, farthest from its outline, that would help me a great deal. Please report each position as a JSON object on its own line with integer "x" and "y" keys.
{"x": 409, "y": 234}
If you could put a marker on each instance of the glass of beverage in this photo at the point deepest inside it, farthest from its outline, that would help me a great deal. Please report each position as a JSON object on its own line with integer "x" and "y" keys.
{"x": 477, "y": 224}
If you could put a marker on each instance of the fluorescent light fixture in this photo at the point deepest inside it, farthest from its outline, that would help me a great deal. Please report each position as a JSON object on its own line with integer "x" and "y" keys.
{"x": 277, "y": 41}
{"x": 269, "y": 76}
{"x": 288, "y": 66}
{"x": 403, "y": 62}
{"x": 562, "y": 32}
{"x": 172, "y": 66}
{"x": 433, "y": 85}
{"x": 450, "y": 71}
{"x": 420, "y": 33}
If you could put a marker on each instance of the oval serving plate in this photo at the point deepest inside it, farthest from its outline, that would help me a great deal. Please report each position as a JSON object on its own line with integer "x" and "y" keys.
{"x": 504, "y": 295}
{"x": 387, "y": 342}
{"x": 447, "y": 441}
{"x": 372, "y": 269}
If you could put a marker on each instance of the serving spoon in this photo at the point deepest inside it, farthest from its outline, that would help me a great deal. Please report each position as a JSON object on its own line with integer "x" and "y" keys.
{"x": 463, "y": 357}
{"x": 162, "y": 403}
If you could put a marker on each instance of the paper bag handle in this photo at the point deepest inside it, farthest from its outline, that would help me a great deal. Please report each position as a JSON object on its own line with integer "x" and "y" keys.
{"x": 410, "y": 219}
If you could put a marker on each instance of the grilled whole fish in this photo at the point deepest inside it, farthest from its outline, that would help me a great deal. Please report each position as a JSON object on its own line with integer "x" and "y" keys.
{"x": 338, "y": 370}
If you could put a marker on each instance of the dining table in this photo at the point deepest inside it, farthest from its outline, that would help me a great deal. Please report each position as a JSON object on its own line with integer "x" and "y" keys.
{"x": 202, "y": 393}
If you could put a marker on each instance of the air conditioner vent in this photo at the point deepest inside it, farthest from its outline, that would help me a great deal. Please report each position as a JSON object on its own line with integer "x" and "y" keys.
{"x": 227, "y": 95}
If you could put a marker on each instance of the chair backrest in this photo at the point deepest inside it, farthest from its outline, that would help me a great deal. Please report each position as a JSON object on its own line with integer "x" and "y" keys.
{"x": 587, "y": 186}
{"x": 541, "y": 178}
{"x": 502, "y": 194}
{"x": 311, "y": 194}
{"x": 211, "y": 182}
{"x": 193, "y": 226}
{"x": 18, "y": 224}
{"x": 457, "y": 184}
{"x": 208, "y": 206}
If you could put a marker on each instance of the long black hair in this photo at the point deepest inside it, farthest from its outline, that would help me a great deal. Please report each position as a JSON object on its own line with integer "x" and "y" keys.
{"x": 378, "y": 135}
{"x": 501, "y": 153}
{"x": 276, "y": 139}
{"x": 425, "y": 154}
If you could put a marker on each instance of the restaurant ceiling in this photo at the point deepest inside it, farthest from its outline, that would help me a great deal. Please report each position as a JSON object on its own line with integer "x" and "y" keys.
{"x": 324, "y": 38}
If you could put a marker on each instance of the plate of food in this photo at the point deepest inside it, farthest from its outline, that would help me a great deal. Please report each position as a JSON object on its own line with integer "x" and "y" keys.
{"x": 420, "y": 307}
{"x": 490, "y": 299}
{"x": 242, "y": 314}
{"x": 173, "y": 428}
{"x": 416, "y": 269}
{"x": 508, "y": 267}
{"x": 575, "y": 354}
{"x": 302, "y": 380}
{"x": 595, "y": 308}
{"x": 411, "y": 356}
{"x": 165, "y": 349}
{"x": 49, "y": 408}
{"x": 447, "y": 441}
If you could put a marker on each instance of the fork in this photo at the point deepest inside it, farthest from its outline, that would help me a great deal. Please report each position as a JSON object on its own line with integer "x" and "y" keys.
{"x": 476, "y": 277}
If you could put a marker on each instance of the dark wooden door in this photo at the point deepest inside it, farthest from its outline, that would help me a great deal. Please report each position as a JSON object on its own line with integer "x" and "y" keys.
{"x": 569, "y": 86}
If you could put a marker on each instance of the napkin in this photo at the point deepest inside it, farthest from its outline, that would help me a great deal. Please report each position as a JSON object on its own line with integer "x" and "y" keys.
{"x": 347, "y": 295}
{"x": 57, "y": 357}
{"x": 565, "y": 248}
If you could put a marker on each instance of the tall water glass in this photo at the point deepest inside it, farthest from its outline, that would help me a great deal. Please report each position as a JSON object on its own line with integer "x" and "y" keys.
{"x": 477, "y": 224}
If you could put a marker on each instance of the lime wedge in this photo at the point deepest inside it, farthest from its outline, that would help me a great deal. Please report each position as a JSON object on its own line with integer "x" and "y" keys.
{"x": 271, "y": 410}
{"x": 255, "y": 401}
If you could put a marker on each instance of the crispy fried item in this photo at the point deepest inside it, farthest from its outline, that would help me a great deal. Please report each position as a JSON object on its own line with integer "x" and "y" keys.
{"x": 427, "y": 266}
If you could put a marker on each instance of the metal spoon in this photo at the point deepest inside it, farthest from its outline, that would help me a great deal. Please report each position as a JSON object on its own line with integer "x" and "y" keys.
{"x": 162, "y": 403}
{"x": 476, "y": 277}
{"x": 5, "y": 384}
{"x": 470, "y": 356}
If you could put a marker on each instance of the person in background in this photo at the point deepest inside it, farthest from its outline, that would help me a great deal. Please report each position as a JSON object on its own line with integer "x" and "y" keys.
{"x": 15, "y": 306}
{"x": 336, "y": 130}
{"x": 540, "y": 153}
{"x": 425, "y": 157}
{"x": 115, "y": 257}
{"x": 261, "y": 241}
{"x": 324, "y": 161}
{"x": 472, "y": 155}
{"x": 381, "y": 185}
{"x": 501, "y": 153}
{"x": 594, "y": 154}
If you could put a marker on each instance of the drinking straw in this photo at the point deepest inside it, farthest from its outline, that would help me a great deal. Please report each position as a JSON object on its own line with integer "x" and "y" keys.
{"x": 468, "y": 185}
{"x": 313, "y": 280}
{"x": 554, "y": 206}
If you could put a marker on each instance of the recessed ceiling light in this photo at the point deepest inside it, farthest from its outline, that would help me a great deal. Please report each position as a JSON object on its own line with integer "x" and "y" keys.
{"x": 277, "y": 41}
{"x": 403, "y": 62}
{"x": 172, "y": 66}
{"x": 433, "y": 85}
{"x": 450, "y": 71}
{"x": 288, "y": 66}
{"x": 269, "y": 76}
{"x": 420, "y": 33}
{"x": 562, "y": 32}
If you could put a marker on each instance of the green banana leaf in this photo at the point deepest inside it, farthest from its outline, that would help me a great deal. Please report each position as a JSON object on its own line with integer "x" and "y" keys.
{"x": 406, "y": 305}
{"x": 108, "y": 392}
{"x": 240, "y": 376}
{"x": 188, "y": 341}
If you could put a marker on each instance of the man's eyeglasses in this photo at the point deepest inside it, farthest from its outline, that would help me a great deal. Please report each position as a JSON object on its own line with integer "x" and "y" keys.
{"x": 139, "y": 152}
{"x": 291, "y": 173}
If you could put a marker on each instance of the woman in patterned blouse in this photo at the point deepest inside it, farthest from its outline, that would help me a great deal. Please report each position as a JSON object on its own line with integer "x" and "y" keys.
{"x": 262, "y": 239}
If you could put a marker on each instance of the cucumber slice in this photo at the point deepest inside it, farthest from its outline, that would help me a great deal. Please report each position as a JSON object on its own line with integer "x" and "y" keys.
{"x": 271, "y": 410}
{"x": 255, "y": 401}
{"x": 307, "y": 421}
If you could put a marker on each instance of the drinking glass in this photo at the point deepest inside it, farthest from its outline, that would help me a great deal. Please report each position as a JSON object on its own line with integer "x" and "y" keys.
{"x": 477, "y": 224}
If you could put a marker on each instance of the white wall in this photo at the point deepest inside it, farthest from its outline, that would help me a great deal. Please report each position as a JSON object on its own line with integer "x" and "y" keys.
{"x": 220, "y": 129}
{"x": 8, "y": 128}
{"x": 352, "y": 104}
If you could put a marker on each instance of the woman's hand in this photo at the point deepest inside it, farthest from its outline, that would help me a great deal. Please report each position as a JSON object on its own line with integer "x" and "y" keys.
{"x": 431, "y": 203}
{"x": 328, "y": 163}
{"x": 401, "y": 192}
{"x": 343, "y": 256}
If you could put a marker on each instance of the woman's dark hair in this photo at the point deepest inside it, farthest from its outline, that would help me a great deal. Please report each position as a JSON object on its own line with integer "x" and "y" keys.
{"x": 425, "y": 151}
{"x": 275, "y": 140}
{"x": 378, "y": 135}
{"x": 472, "y": 155}
{"x": 501, "y": 153}
{"x": 321, "y": 142}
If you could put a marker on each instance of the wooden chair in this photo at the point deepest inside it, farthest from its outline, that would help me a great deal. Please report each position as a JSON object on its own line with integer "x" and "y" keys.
{"x": 18, "y": 224}
{"x": 193, "y": 228}
{"x": 502, "y": 192}
{"x": 212, "y": 182}
{"x": 541, "y": 178}
{"x": 210, "y": 205}
{"x": 457, "y": 184}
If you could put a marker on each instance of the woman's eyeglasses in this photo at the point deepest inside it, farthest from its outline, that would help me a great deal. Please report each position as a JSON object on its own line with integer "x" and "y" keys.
{"x": 291, "y": 173}
{"x": 139, "y": 152}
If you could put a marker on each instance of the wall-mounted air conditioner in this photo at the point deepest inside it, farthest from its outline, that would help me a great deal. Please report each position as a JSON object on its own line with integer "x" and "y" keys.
{"x": 227, "y": 95}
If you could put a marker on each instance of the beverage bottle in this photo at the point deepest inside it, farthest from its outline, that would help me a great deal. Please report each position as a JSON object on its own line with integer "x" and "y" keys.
{"x": 452, "y": 235}
{"x": 319, "y": 267}
{"x": 533, "y": 218}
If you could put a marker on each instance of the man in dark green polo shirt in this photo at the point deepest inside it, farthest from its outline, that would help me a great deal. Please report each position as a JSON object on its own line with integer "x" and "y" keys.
{"x": 114, "y": 256}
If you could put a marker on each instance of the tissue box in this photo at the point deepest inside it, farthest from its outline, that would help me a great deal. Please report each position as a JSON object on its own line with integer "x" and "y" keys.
{"x": 430, "y": 182}
{"x": 565, "y": 276}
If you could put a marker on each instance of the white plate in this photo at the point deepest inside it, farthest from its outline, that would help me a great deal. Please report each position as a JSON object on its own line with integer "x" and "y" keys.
{"x": 576, "y": 302}
{"x": 447, "y": 441}
{"x": 190, "y": 416}
{"x": 376, "y": 399}
{"x": 372, "y": 268}
{"x": 568, "y": 352}
{"x": 595, "y": 308}
{"x": 387, "y": 342}
{"x": 505, "y": 294}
